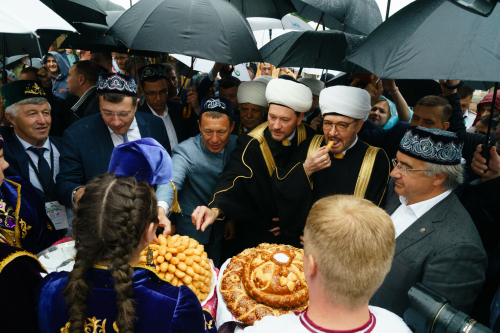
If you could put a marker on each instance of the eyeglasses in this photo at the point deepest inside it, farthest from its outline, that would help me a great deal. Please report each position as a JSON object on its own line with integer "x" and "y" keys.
{"x": 121, "y": 114}
{"x": 154, "y": 93}
{"x": 402, "y": 168}
{"x": 341, "y": 127}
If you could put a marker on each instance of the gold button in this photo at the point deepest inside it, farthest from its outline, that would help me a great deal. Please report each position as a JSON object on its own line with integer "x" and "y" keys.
{"x": 422, "y": 230}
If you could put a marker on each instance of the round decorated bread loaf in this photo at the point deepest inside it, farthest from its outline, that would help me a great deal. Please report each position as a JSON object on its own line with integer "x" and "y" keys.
{"x": 181, "y": 260}
{"x": 266, "y": 280}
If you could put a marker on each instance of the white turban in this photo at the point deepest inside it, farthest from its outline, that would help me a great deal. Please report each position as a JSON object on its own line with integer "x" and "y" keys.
{"x": 293, "y": 95}
{"x": 347, "y": 101}
{"x": 264, "y": 79}
{"x": 315, "y": 85}
{"x": 252, "y": 92}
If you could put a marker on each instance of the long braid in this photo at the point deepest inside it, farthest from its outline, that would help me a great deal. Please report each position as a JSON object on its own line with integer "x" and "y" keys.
{"x": 110, "y": 232}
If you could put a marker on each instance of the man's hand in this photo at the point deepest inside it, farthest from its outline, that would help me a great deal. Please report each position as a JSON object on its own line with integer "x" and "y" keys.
{"x": 389, "y": 85}
{"x": 192, "y": 97}
{"x": 45, "y": 76}
{"x": 275, "y": 231}
{"x": 446, "y": 91}
{"x": 203, "y": 216}
{"x": 164, "y": 222}
{"x": 78, "y": 194}
{"x": 374, "y": 91}
{"x": 217, "y": 68}
{"x": 229, "y": 230}
{"x": 478, "y": 164}
{"x": 302, "y": 240}
{"x": 319, "y": 160}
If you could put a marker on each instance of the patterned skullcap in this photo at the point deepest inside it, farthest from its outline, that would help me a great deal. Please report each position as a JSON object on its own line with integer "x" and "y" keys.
{"x": 432, "y": 145}
{"x": 117, "y": 84}
{"x": 152, "y": 71}
{"x": 218, "y": 104}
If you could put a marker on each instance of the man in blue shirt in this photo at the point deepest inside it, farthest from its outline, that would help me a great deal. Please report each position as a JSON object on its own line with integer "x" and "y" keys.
{"x": 198, "y": 164}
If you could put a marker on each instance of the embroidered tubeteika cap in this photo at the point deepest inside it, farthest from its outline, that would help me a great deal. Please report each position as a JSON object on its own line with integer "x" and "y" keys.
{"x": 432, "y": 145}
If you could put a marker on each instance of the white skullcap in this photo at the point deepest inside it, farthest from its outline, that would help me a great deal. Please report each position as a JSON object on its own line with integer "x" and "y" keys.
{"x": 264, "y": 79}
{"x": 293, "y": 95}
{"x": 315, "y": 85}
{"x": 253, "y": 93}
{"x": 347, "y": 101}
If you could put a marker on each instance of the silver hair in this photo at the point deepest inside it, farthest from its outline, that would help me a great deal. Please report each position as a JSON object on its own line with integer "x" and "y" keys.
{"x": 453, "y": 173}
{"x": 12, "y": 110}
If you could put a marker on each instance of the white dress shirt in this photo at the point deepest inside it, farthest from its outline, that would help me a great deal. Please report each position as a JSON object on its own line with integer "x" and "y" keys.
{"x": 469, "y": 118}
{"x": 34, "y": 157}
{"x": 404, "y": 216}
{"x": 133, "y": 134}
{"x": 172, "y": 135}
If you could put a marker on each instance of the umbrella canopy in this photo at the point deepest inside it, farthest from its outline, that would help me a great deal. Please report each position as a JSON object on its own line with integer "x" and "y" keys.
{"x": 208, "y": 29}
{"x": 27, "y": 16}
{"x": 77, "y": 10}
{"x": 311, "y": 49}
{"x": 358, "y": 17}
{"x": 264, "y": 8}
{"x": 17, "y": 44}
{"x": 431, "y": 39}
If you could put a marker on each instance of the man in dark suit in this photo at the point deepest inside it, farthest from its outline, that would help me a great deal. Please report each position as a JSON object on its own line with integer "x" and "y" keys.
{"x": 153, "y": 79}
{"x": 29, "y": 139}
{"x": 33, "y": 159}
{"x": 82, "y": 78}
{"x": 437, "y": 243}
{"x": 89, "y": 143}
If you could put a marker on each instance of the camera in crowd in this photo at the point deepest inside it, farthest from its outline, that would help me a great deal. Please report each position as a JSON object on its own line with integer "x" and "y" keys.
{"x": 432, "y": 313}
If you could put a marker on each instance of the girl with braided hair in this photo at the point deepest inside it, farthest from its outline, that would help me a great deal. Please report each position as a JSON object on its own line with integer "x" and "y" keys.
{"x": 116, "y": 218}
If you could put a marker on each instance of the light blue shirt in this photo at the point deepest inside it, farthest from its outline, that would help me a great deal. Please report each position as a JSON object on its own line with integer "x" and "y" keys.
{"x": 196, "y": 172}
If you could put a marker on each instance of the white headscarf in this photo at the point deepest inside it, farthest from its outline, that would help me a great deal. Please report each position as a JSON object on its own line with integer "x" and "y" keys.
{"x": 263, "y": 78}
{"x": 315, "y": 85}
{"x": 347, "y": 101}
{"x": 252, "y": 92}
{"x": 293, "y": 95}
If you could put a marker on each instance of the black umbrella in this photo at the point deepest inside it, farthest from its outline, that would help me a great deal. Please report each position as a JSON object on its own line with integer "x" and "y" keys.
{"x": 264, "y": 8}
{"x": 430, "y": 39}
{"x": 17, "y": 44}
{"x": 78, "y": 10}
{"x": 359, "y": 17}
{"x": 311, "y": 49}
{"x": 208, "y": 29}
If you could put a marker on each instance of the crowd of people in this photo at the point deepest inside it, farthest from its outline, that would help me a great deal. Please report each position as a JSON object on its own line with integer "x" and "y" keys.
{"x": 381, "y": 196}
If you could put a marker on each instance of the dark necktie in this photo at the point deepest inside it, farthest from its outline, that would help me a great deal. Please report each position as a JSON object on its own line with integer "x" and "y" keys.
{"x": 125, "y": 138}
{"x": 47, "y": 181}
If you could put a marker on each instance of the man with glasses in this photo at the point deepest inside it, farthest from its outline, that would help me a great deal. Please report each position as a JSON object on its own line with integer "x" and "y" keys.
{"x": 153, "y": 79}
{"x": 350, "y": 166}
{"x": 89, "y": 142}
{"x": 121, "y": 61}
{"x": 437, "y": 243}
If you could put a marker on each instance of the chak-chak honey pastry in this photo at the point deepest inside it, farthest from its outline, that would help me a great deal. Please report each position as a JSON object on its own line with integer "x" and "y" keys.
{"x": 181, "y": 260}
{"x": 266, "y": 280}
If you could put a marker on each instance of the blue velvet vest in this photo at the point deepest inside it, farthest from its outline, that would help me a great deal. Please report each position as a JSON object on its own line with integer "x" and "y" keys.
{"x": 160, "y": 307}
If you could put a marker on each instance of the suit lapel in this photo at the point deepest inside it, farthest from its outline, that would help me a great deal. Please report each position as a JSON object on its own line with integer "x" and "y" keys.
{"x": 103, "y": 140}
{"x": 20, "y": 154}
{"x": 423, "y": 226}
{"x": 177, "y": 120}
{"x": 143, "y": 126}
